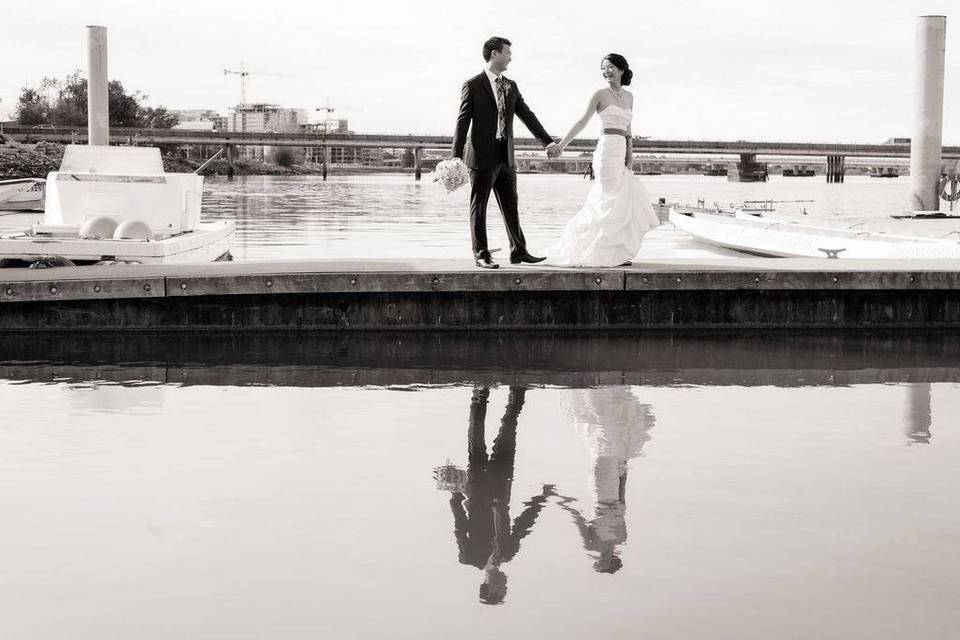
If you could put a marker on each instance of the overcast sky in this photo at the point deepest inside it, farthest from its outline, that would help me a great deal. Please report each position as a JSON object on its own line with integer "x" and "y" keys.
{"x": 812, "y": 70}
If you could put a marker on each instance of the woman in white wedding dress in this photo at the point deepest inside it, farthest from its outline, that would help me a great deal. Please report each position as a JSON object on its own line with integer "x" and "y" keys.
{"x": 617, "y": 213}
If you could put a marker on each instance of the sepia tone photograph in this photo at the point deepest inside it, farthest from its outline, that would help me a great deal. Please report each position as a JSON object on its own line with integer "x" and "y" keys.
{"x": 410, "y": 320}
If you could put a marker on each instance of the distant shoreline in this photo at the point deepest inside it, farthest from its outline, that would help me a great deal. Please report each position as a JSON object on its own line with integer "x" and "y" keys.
{"x": 36, "y": 161}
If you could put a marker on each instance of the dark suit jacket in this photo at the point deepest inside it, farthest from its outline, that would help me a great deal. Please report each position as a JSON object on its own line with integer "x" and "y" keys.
{"x": 478, "y": 106}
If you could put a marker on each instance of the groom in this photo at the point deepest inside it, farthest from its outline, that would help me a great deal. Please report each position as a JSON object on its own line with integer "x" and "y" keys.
{"x": 489, "y": 101}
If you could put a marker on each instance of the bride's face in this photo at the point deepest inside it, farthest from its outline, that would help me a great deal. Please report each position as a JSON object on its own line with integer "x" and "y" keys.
{"x": 610, "y": 71}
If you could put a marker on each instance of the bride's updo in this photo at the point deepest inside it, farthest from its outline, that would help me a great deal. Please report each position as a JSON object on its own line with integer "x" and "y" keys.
{"x": 621, "y": 63}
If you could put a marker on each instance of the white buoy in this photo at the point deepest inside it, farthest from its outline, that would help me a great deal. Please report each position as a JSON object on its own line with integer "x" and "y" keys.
{"x": 98, "y": 106}
{"x": 927, "y": 141}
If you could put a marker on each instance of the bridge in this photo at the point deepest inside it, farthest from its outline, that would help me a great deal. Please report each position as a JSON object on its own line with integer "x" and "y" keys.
{"x": 835, "y": 153}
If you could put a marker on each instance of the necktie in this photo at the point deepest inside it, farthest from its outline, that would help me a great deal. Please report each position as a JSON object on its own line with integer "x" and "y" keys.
{"x": 501, "y": 109}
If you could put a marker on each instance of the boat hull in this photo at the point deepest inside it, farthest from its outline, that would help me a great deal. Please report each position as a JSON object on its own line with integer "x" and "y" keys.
{"x": 27, "y": 194}
{"x": 788, "y": 239}
{"x": 209, "y": 242}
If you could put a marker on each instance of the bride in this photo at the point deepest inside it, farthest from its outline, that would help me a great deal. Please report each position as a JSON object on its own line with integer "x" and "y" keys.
{"x": 617, "y": 213}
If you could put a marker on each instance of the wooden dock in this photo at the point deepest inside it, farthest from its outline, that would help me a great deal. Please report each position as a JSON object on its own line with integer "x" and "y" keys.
{"x": 658, "y": 293}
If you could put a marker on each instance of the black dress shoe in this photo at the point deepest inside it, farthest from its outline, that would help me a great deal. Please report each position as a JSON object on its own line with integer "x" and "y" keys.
{"x": 525, "y": 257}
{"x": 485, "y": 262}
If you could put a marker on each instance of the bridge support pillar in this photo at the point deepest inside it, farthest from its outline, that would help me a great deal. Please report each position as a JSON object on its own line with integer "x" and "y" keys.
{"x": 748, "y": 169}
{"x": 231, "y": 153}
{"x": 417, "y": 162}
{"x": 836, "y": 167}
{"x": 326, "y": 161}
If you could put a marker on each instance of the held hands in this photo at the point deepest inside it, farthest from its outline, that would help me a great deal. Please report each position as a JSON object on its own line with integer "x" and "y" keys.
{"x": 554, "y": 150}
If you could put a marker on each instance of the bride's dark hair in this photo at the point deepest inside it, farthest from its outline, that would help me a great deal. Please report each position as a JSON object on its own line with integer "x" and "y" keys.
{"x": 621, "y": 63}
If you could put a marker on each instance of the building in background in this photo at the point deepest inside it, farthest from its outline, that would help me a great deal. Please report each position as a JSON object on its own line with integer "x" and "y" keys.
{"x": 195, "y": 115}
{"x": 195, "y": 125}
{"x": 200, "y": 120}
{"x": 341, "y": 156}
{"x": 261, "y": 117}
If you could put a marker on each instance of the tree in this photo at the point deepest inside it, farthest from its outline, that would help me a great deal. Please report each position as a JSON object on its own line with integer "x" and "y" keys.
{"x": 157, "y": 118}
{"x": 32, "y": 107}
{"x": 64, "y": 103}
{"x": 283, "y": 157}
{"x": 69, "y": 106}
{"x": 124, "y": 108}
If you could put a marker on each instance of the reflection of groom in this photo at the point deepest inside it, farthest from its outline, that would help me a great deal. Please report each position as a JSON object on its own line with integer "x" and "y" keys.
{"x": 489, "y": 101}
{"x": 485, "y": 536}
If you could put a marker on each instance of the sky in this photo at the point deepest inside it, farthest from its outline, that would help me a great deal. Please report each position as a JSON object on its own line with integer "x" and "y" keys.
{"x": 801, "y": 70}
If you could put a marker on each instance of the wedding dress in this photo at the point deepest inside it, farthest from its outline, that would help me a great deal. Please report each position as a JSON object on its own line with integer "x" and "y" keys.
{"x": 614, "y": 426}
{"x": 617, "y": 213}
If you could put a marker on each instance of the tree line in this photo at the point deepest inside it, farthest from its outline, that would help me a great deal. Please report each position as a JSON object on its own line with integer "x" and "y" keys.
{"x": 63, "y": 103}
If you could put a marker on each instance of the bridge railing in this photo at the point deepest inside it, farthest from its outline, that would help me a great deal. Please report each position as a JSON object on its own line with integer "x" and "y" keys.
{"x": 123, "y": 135}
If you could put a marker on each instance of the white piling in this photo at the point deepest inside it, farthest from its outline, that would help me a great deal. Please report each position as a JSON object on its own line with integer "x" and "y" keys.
{"x": 98, "y": 106}
{"x": 927, "y": 141}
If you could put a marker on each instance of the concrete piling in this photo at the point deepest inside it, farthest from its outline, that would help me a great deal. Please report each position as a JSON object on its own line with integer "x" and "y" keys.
{"x": 98, "y": 109}
{"x": 927, "y": 141}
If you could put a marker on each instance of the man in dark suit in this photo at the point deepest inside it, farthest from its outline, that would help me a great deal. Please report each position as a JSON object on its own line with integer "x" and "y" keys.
{"x": 489, "y": 101}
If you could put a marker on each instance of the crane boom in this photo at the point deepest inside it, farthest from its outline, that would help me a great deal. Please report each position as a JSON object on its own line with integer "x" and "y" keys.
{"x": 243, "y": 73}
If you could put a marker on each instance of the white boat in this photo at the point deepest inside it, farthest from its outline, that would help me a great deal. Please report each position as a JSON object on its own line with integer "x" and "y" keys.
{"x": 25, "y": 194}
{"x": 116, "y": 204}
{"x": 18, "y": 221}
{"x": 795, "y": 239}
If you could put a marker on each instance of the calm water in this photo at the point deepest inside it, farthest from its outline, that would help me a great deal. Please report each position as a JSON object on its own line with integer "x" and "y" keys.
{"x": 370, "y": 486}
{"x": 394, "y": 216}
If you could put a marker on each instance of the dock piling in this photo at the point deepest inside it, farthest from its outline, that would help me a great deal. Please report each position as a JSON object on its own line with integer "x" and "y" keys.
{"x": 98, "y": 106}
{"x": 231, "y": 157}
{"x": 926, "y": 145}
{"x": 836, "y": 167}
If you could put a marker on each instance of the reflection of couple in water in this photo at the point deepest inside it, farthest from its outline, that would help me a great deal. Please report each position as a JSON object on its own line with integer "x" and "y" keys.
{"x": 613, "y": 424}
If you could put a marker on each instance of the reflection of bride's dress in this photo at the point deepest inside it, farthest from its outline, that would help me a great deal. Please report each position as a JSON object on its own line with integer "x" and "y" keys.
{"x": 613, "y": 425}
{"x": 617, "y": 213}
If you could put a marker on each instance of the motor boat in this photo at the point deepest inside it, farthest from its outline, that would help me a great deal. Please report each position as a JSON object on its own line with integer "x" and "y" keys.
{"x": 117, "y": 205}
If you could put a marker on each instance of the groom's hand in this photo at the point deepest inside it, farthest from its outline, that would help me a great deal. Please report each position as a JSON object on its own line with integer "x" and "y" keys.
{"x": 553, "y": 150}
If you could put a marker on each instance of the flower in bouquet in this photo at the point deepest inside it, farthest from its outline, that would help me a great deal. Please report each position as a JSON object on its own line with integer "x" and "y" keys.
{"x": 449, "y": 477}
{"x": 452, "y": 174}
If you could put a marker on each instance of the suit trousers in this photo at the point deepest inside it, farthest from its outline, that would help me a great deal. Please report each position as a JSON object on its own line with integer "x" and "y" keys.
{"x": 502, "y": 180}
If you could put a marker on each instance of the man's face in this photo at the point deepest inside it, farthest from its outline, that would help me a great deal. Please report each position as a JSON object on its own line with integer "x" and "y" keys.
{"x": 500, "y": 59}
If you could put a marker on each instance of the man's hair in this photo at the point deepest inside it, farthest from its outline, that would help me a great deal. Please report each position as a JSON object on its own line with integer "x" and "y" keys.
{"x": 494, "y": 44}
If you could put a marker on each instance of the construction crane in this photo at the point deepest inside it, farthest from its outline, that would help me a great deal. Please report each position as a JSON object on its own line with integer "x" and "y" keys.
{"x": 329, "y": 122}
{"x": 243, "y": 73}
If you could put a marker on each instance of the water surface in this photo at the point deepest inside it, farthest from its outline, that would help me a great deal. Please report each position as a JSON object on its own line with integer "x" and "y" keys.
{"x": 393, "y": 216}
{"x": 365, "y": 486}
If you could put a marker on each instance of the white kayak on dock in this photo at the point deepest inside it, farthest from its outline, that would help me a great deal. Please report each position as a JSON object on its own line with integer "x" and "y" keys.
{"x": 788, "y": 238}
{"x": 116, "y": 204}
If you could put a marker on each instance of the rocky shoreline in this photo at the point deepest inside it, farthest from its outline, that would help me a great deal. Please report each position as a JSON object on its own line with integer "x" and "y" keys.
{"x": 28, "y": 161}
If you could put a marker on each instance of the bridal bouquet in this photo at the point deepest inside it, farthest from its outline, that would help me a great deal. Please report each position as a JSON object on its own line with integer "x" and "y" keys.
{"x": 452, "y": 174}
{"x": 449, "y": 477}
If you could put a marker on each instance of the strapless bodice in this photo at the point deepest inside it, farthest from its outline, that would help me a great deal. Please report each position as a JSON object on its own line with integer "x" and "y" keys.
{"x": 614, "y": 117}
